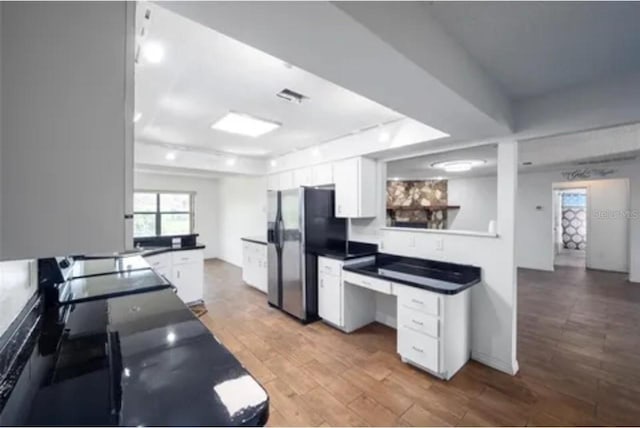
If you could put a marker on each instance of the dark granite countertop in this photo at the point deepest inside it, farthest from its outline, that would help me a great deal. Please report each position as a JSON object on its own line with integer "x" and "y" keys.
{"x": 431, "y": 275}
{"x": 143, "y": 251}
{"x": 137, "y": 360}
{"x": 151, "y": 251}
{"x": 255, "y": 239}
{"x": 351, "y": 250}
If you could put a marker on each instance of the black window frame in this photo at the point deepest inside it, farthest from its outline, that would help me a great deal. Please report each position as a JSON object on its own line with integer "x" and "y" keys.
{"x": 158, "y": 212}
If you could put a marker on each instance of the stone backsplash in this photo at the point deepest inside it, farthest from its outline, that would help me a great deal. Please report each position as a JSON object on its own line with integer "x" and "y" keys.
{"x": 408, "y": 202}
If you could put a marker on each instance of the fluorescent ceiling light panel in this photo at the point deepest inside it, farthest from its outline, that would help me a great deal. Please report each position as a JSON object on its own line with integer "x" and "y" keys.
{"x": 243, "y": 124}
{"x": 458, "y": 165}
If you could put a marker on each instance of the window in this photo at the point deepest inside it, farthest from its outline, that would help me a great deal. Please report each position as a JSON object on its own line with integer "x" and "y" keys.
{"x": 162, "y": 213}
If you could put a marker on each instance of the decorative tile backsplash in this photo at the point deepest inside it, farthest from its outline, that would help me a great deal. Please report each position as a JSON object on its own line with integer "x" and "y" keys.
{"x": 408, "y": 203}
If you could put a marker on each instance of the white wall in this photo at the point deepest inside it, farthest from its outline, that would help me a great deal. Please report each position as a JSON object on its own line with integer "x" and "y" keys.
{"x": 535, "y": 239}
{"x": 242, "y": 212}
{"x": 608, "y": 228}
{"x": 494, "y": 301}
{"x": 18, "y": 282}
{"x": 206, "y": 202}
{"x": 478, "y": 200}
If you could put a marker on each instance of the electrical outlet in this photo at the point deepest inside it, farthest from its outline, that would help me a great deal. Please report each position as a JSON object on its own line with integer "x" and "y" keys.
{"x": 440, "y": 244}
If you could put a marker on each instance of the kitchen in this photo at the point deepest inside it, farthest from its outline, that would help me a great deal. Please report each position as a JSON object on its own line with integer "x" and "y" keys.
{"x": 245, "y": 228}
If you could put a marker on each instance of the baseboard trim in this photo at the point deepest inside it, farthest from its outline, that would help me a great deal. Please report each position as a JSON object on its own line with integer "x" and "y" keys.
{"x": 496, "y": 363}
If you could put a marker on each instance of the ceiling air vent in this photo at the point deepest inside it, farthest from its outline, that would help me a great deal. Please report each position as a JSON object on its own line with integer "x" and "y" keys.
{"x": 292, "y": 96}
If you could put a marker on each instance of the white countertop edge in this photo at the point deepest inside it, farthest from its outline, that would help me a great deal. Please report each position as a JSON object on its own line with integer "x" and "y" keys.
{"x": 443, "y": 232}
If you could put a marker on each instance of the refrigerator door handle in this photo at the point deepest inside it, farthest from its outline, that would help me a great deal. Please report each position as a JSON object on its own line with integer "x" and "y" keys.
{"x": 280, "y": 231}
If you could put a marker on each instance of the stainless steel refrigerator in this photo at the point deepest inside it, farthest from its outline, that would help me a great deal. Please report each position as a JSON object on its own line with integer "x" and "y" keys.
{"x": 300, "y": 224}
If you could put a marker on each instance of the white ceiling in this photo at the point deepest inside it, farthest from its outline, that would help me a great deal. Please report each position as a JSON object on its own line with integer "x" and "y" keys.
{"x": 420, "y": 167}
{"x": 205, "y": 74}
{"x": 534, "y": 48}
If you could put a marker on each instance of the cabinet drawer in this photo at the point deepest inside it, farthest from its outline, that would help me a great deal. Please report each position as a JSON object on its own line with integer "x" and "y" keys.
{"x": 159, "y": 261}
{"x": 181, "y": 257}
{"x": 367, "y": 282}
{"x": 328, "y": 266}
{"x": 420, "y": 349}
{"x": 420, "y": 300}
{"x": 418, "y": 321}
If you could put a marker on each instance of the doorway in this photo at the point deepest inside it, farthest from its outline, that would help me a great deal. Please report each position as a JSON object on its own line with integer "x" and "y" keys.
{"x": 591, "y": 224}
{"x": 570, "y": 227}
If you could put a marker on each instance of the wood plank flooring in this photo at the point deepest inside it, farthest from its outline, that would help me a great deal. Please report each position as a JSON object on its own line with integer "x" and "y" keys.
{"x": 578, "y": 343}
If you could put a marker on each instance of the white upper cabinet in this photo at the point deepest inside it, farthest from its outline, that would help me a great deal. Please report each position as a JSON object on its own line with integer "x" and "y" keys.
{"x": 302, "y": 177}
{"x": 273, "y": 182}
{"x": 67, "y": 127}
{"x": 281, "y": 181}
{"x": 286, "y": 180}
{"x": 322, "y": 174}
{"x": 356, "y": 187}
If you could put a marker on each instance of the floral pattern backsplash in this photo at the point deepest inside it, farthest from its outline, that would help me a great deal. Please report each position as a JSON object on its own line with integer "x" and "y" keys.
{"x": 406, "y": 202}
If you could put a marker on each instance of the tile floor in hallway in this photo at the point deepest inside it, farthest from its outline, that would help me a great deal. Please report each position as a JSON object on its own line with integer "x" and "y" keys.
{"x": 578, "y": 342}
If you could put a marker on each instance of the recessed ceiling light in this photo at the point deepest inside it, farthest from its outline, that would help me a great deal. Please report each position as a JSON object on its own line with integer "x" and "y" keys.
{"x": 315, "y": 152}
{"x": 395, "y": 179}
{"x": 231, "y": 161}
{"x": 274, "y": 162}
{"x": 243, "y": 124}
{"x": 137, "y": 116}
{"x": 458, "y": 165}
{"x": 384, "y": 137}
{"x": 153, "y": 52}
{"x": 170, "y": 156}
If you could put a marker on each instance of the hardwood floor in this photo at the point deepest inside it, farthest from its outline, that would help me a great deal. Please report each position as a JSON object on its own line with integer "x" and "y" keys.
{"x": 578, "y": 343}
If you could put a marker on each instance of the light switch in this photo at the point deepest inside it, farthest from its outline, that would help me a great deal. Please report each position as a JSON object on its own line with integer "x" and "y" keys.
{"x": 440, "y": 244}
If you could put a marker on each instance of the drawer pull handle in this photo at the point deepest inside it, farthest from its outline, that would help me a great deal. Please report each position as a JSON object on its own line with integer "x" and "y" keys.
{"x": 418, "y": 349}
{"x": 419, "y": 302}
{"x": 417, "y": 322}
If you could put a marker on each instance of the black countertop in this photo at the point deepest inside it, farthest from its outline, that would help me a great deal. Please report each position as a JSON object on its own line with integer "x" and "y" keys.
{"x": 255, "y": 239}
{"x": 432, "y": 275}
{"x": 142, "y": 251}
{"x": 348, "y": 251}
{"x": 133, "y": 360}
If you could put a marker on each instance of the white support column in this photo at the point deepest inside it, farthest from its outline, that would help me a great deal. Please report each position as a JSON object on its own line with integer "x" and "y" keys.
{"x": 507, "y": 194}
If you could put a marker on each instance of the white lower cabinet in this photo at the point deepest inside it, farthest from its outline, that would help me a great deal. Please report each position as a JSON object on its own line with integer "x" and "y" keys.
{"x": 184, "y": 269}
{"x": 330, "y": 298}
{"x": 347, "y": 308}
{"x": 188, "y": 275}
{"x": 254, "y": 265}
{"x": 433, "y": 329}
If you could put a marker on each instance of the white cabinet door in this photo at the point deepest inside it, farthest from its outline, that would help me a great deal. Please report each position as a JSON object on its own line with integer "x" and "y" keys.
{"x": 188, "y": 279}
{"x": 262, "y": 272}
{"x": 356, "y": 187}
{"x": 322, "y": 174}
{"x": 273, "y": 182}
{"x": 302, "y": 177}
{"x": 330, "y": 299}
{"x": 246, "y": 261}
{"x": 345, "y": 176}
{"x": 68, "y": 147}
{"x": 286, "y": 180}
